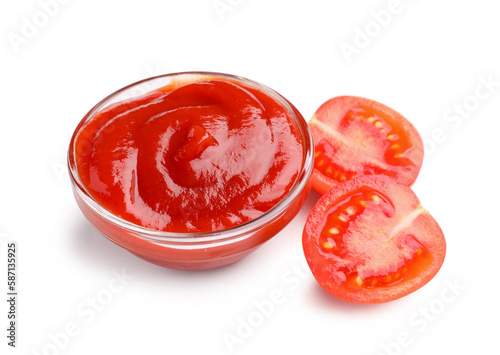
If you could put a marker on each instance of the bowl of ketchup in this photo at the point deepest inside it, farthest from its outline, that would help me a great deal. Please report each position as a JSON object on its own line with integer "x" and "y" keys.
{"x": 191, "y": 170}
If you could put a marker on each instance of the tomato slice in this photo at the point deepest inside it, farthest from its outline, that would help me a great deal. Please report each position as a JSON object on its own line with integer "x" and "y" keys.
{"x": 369, "y": 240}
{"x": 354, "y": 136}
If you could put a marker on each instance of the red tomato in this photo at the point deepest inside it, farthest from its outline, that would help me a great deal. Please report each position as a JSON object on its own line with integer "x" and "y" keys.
{"x": 354, "y": 136}
{"x": 369, "y": 240}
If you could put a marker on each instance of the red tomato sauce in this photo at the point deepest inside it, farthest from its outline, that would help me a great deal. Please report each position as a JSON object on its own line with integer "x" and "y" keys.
{"x": 199, "y": 157}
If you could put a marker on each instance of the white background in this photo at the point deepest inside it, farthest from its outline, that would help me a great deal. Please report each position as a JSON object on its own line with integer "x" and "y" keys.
{"x": 426, "y": 61}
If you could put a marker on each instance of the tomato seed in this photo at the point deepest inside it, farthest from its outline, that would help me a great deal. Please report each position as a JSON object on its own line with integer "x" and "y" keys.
{"x": 350, "y": 211}
{"x": 359, "y": 280}
{"x": 333, "y": 230}
{"x": 327, "y": 245}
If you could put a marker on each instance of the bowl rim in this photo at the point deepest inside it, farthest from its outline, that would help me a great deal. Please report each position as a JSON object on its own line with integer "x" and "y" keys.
{"x": 158, "y": 236}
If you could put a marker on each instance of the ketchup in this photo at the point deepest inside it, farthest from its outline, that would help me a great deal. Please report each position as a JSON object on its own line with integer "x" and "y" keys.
{"x": 199, "y": 157}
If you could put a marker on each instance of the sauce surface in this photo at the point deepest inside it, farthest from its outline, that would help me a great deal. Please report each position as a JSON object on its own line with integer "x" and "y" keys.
{"x": 201, "y": 157}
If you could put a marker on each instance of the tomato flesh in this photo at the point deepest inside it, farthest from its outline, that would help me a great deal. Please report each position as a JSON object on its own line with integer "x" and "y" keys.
{"x": 355, "y": 137}
{"x": 369, "y": 241}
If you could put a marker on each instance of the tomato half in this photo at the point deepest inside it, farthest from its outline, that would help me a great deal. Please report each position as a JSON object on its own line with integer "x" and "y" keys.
{"x": 354, "y": 136}
{"x": 369, "y": 240}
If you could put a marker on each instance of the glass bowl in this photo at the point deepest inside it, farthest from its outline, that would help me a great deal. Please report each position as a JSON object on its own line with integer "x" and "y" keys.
{"x": 193, "y": 251}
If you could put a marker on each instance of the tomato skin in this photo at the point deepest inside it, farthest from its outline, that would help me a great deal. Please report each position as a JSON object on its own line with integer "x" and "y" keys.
{"x": 418, "y": 227}
{"x": 320, "y": 183}
{"x": 366, "y": 137}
